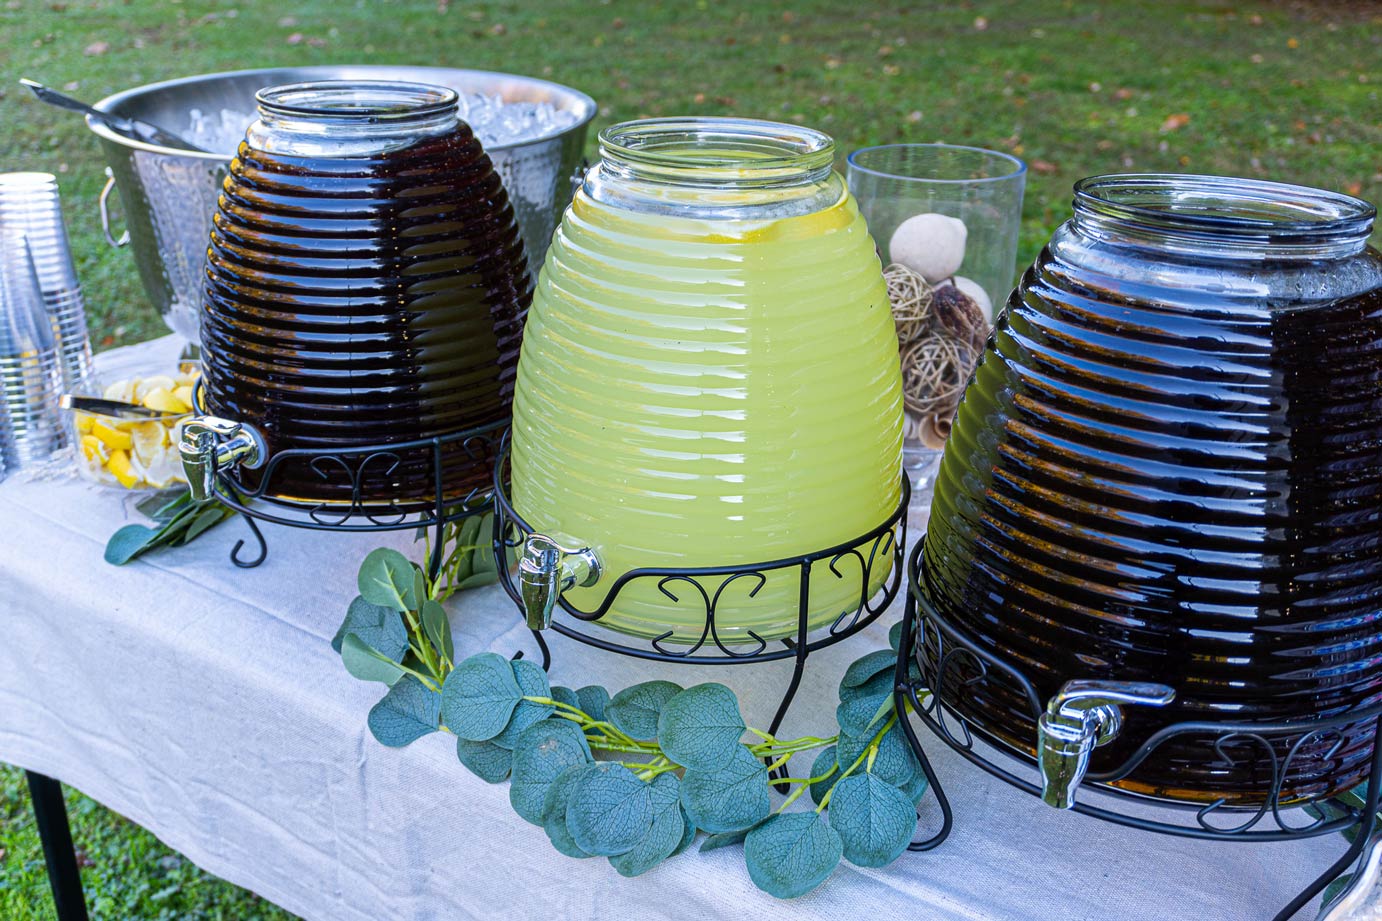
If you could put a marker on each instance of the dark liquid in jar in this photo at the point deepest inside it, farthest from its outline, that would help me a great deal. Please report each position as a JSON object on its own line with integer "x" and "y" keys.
{"x": 366, "y": 300}
{"x": 1141, "y": 516}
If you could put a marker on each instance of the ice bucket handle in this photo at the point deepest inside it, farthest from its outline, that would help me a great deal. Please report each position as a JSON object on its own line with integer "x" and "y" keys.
{"x": 103, "y": 202}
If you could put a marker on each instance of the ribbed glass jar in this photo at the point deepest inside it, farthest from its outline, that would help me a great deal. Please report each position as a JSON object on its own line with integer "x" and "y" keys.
{"x": 1168, "y": 467}
{"x": 365, "y": 284}
{"x": 710, "y": 375}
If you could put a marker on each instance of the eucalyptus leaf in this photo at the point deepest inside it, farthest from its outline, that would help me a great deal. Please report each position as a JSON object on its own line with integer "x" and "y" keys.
{"x": 635, "y": 709}
{"x": 916, "y": 787}
{"x": 874, "y": 820}
{"x": 203, "y": 521}
{"x": 688, "y": 832}
{"x": 485, "y": 760}
{"x": 725, "y": 839}
{"x": 791, "y": 853}
{"x": 822, "y": 766}
{"x": 610, "y": 810}
{"x": 438, "y": 628}
{"x": 701, "y": 726}
{"x": 665, "y": 834}
{"x": 732, "y": 796}
{"x": 894, "y": 763}
{"x": 164, "y": 504}
{"x": 875, "y": 663}
{"x": 128, "y": 542}
{"x": 364, "y": 663}
{"x": 380, "y": 628}
{"x": 407, "y": 713}
{"x": 478, "y": 580}
{"x": 418, "y": 594}
{"x": 895, "y": 636}
{"x": 554, "y": 810}
{"x": 859, "y": 714}
{"x": 566, "y": 696}
{"x": 479, "y": 696}
{"x": 532, "y": 681}
{"x": 541, "y": 753}
{"x": 386, "y": 577}
{"x": 593, "y": 701}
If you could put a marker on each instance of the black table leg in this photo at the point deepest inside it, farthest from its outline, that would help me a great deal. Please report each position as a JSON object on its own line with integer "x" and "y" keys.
{"x": 51, "y": 815}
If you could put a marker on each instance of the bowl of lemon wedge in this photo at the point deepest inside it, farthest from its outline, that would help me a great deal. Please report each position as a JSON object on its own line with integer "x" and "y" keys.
{"x": 137, "y": 453}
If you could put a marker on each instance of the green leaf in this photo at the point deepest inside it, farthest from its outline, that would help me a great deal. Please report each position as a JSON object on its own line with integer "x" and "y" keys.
{"x": 862, "y": 670}
{"x": 541, "y": 753}
{"x": 791, "y": 854}
{"x": 485, "y": 760}
{"x": 477, "y": 580}
{"x": 858, "y": 714}
{"x": 532, "y": 681}
{"x": 554, "y": 810}
{"x": 380, "y": 628}
{"x": 128, "y": 542}
{"x": 635, "y": 709}
{"x": 1334, "y": 890}
{"x": 823, "y": 763}
{"x": 479, "y": 696}
{"x": 407, "y": 713}
{"x": 163, "y": 505}
{"x": 895, "y": 636}
{"x": 663, "y": 837}
{"x": 730, "y": 797}
{"x": 701, "y": 726}
{"x": 565, "y": 696}
{"x": 593, "y": 702}
{"x": 364, "y": 663}
{"x": 610, "y": 810}
{"x": 725, "y": 839}
{"x": 438, "y": 628}
{"x": 915, "y": 788}
{"x": 894, "y": 764}
{"x": 203, "y": 521}
{"x": 386, "y": 577}
{"x": 688, "y": 832}
{"x": 874, "y": 820}
{"x": 418, "y": 595}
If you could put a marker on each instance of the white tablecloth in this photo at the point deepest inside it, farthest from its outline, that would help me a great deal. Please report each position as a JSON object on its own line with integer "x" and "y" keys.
{"x": 205, "y": 703}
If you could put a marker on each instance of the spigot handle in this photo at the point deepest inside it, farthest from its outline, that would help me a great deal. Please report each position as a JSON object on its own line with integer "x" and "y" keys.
{"x": 209, "y": 443}
{"x": 1083, "y": 715}
{"x": 545, "y": 570}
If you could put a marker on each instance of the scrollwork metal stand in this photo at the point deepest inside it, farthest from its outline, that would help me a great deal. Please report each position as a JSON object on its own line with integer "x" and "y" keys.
{"x": 348, "y": 468}
{"x": 957, "y": 665}
{"x": 853, "y": 559}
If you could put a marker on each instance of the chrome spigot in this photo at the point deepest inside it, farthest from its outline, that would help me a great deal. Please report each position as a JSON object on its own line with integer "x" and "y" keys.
{"x": 1082, "y": 716}
{"x": 545, "y": 570}
{"x": 209, "y": 444}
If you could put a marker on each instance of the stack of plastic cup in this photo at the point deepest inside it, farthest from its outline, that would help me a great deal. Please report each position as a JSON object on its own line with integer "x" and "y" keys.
{"x": 29, "y": 203}
{"x": 30, "y": 374}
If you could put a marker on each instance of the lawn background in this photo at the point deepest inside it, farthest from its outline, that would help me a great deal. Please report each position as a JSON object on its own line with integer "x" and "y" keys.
{"x": 1278, "y": 90}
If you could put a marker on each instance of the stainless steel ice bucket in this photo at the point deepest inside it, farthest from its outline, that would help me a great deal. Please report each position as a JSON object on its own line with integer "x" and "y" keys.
{"x": 169, "y": 195}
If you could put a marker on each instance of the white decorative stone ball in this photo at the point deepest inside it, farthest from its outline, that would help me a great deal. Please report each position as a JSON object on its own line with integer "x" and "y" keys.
{"x": 932, "y": 245}
{"x": 978, "y": 295}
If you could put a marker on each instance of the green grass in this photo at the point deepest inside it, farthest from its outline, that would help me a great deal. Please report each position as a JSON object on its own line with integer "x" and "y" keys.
{"x": 129, "y": 875}
{"x": 1280, "y": 90}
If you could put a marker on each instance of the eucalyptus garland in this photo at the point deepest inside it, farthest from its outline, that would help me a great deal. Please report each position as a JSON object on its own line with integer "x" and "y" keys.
{"x": 635, "y": 776}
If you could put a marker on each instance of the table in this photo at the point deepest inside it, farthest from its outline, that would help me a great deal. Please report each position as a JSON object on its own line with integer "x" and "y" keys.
{"x": 204, "y": 702}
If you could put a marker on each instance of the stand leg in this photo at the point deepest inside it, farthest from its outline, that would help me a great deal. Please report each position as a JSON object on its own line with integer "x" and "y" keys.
{"x": 905, "y": 696}
{"x": 50, "y": 813}
{"x": 239, "y": 544}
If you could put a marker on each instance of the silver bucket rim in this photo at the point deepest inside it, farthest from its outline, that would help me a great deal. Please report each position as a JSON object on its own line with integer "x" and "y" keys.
{"x": 587, "y": 106}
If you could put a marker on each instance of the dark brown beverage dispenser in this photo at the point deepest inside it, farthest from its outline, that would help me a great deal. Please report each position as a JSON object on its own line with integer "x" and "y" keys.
{"x": 366, "y": 284}
{"x": 1161, "y": 501}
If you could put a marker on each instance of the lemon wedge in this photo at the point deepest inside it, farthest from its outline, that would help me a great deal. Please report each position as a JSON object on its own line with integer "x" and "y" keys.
{"x": 112, "y": 436}
{"x": 149, "y": 384}
{"x": 162, "y": 399}
{"x": 120, "y": 390}
{"x": 149, "y": 439}
{"x": 84, "y": 421}
{"x": 164, "y": 468}
{"x": 119, "y": 464}
{"x": 94, "y": 449}
{"x": 184, "y": 394}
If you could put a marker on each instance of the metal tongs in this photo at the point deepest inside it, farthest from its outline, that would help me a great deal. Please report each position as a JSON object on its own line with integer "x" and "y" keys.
{"x": 116, "y": 409}
{"x": 134, "y": 128}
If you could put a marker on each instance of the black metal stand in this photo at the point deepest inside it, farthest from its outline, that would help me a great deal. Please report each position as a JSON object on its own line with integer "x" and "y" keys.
{"x": 852, "y": 560}
{"x": 347, "y": 469}
{"x": 50, "y": 814}
{"x": 956, "y": 665}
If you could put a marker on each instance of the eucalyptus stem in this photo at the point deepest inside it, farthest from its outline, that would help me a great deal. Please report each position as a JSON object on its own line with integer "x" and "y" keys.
{"x": 867, "y": 753}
